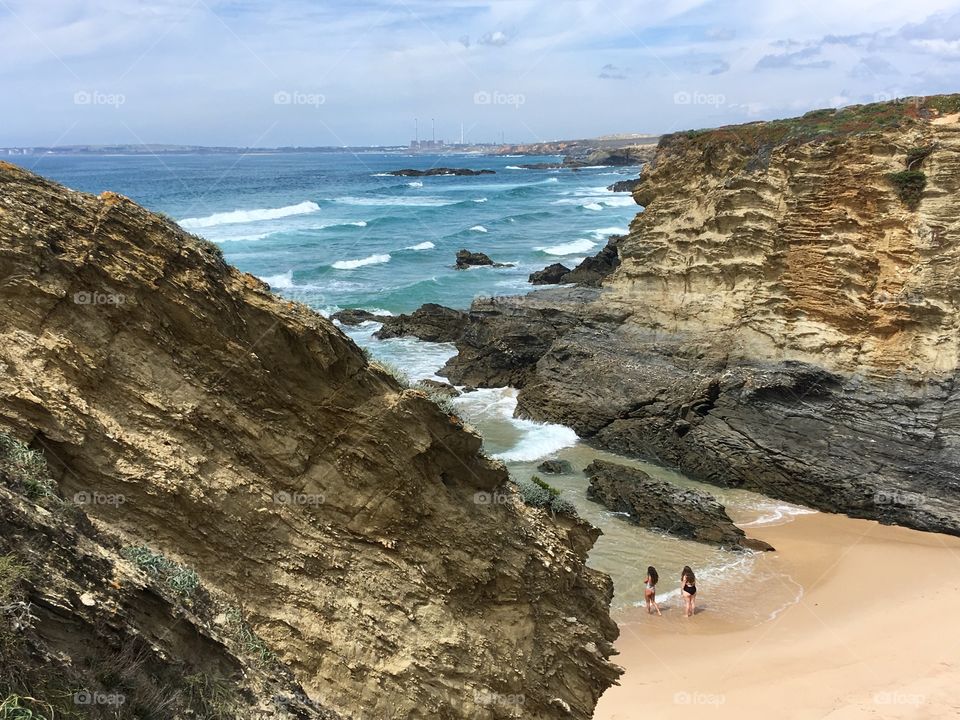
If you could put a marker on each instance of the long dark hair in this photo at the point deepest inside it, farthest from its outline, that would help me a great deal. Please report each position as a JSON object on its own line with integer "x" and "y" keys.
{"x": 652, "y": 572}
{"x": 688, "y": 574}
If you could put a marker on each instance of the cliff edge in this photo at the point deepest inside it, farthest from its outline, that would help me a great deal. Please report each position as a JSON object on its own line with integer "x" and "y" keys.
{"x": 784, "y": 317}
{"x": 236, "y": 460}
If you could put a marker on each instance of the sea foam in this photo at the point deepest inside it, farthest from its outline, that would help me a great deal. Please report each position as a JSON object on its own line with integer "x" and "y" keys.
{"x": 571, "y": 248}
{"x": 354, "y": 264}
{"x": 235, "y": 217}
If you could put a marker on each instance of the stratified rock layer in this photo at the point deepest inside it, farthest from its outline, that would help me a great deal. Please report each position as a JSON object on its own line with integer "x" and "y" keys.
{"x": 784, "y": 317}
{"x": 253, "y": 443}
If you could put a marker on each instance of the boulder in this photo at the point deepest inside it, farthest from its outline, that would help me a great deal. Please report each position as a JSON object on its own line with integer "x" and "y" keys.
{"x": 437, "y": 387}
{"x": 550, "y": 275}
{"x": 659, "y": 505}
{"x": 467, "y": 259}
{"x": 353, "y": 316}
{"x": 430, "y": 322}
{"x": 555, "y": 467}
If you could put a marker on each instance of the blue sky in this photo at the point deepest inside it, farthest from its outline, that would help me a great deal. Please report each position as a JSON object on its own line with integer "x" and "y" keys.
{"x": 309, "y": 72}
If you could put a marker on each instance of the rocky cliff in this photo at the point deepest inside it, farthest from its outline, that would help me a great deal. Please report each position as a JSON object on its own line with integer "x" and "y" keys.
{"x": 233, "y": 486}
{"x": 784, "y": 317}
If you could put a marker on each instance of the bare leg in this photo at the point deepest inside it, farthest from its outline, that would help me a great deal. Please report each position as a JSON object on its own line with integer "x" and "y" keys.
{"x": 653, "y": 600}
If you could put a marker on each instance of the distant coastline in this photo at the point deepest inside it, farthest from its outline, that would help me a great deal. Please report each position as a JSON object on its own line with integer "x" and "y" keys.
{"x": 557, "y": 147}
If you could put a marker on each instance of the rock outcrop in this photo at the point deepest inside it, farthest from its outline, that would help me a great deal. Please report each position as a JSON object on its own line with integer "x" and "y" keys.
{"x": 354, "y": 316}
{"x": 441, "y": 171}
{"x": 248, "y": 444}
{"x": 467, "y": 259}
{"x": 658, "y": 505}
{"x": 624, "y": 185}
{"x": 550, "y": 275}
{"x": 784, "y": 317}
{"x": 431, "y": 322}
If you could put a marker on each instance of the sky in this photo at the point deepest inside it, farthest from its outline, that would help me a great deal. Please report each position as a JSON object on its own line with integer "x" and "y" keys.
{"x": 260, "y": 73}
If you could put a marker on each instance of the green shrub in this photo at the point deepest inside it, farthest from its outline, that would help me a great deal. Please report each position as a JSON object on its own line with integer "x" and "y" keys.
{"x": 178, "y": 578}
{"x": 539, "y": 494}
{"x": 916, "y": 155}
{"x": 24, "y": 469}
{"x": 909, "y": 185}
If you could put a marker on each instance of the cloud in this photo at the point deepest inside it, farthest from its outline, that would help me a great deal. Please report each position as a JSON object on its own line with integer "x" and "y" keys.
{"x": 497, "y": 38}
{"x": 613, "y": 72}
{"x": 798, "y": 60}
{"x": 872, "y": 66}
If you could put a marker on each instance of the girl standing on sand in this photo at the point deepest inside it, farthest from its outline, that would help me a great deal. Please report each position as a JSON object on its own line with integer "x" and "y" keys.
{"x": 650, "y": 592}
{"x": 688, "y": 589}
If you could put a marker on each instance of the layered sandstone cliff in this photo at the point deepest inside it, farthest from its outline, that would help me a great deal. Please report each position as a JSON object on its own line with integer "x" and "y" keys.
{"x": 784, "y": 317}
{"x": 251, "y": 443}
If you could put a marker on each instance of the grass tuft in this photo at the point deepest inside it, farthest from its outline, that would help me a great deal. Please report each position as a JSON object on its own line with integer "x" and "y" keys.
{"x": 24, "y": 469}
{"x": 182, "y": 580}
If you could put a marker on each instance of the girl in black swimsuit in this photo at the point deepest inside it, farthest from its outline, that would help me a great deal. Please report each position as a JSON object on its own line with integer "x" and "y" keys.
{"x": 688, "y": 589}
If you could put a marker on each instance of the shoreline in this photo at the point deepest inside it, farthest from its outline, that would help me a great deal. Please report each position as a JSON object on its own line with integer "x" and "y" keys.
{"x": 882, "y": 653}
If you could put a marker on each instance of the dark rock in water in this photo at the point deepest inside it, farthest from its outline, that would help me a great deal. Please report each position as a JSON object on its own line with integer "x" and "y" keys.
{"x": 505, "y": 337}
{"x": 469, "y": 389}
{"x": 555, "y": 467}
{"x": 467, "y": 259}
{"x": 430, "y": 322}
{"x": 436, "y": 387}
{"x": 550, "y": 275}
{"x": 659, "y": 505}
{"x": 590, "y": 272}
{"x": 624, "y": 185}
{"x": 541, "y": 166}
{"x": 408, "y": 172}
{"x": 355, "y": 316}
{"x": 594, "y": 269}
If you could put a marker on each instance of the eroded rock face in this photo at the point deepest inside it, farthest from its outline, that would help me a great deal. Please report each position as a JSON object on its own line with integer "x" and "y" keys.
{"x": 658, "y": 505}
{"x": 253, "y": 443}
{"x": 782, "y": 319}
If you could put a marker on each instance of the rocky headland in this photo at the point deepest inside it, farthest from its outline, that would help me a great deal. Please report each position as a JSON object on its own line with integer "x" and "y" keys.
{"x": 783, "y": 316}
{"x": 213, "y": 505}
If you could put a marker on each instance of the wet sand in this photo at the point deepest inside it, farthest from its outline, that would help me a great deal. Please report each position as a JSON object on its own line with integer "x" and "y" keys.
{"x": 874, "y": 635}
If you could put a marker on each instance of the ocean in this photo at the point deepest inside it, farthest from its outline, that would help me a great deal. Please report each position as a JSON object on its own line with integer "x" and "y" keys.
{"x": 336, "y": 231}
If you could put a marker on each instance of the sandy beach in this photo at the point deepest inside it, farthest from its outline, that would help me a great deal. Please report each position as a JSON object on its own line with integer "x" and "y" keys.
{"x": 873, "y": 635}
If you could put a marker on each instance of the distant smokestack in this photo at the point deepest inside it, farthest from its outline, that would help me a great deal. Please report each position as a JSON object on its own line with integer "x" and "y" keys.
{"x": 433, "y": 129}
{"x": 416, "y": 130}
{"x": 461, "y": 133}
